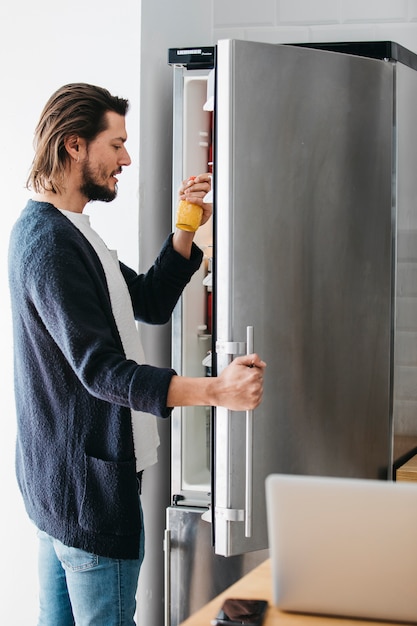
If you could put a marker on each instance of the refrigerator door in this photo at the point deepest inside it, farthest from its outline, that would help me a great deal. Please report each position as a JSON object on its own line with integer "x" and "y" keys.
{"x": 303, "y": 256}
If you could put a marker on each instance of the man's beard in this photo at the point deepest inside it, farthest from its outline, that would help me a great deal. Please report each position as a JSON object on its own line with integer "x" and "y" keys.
{"x": 93, "y": 190}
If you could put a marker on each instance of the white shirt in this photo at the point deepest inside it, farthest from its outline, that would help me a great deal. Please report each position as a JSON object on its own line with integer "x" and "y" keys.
{"x": 144, "y": 425}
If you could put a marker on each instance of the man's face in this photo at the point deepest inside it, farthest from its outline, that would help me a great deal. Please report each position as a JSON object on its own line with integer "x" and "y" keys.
{"x": 106, "y": 155}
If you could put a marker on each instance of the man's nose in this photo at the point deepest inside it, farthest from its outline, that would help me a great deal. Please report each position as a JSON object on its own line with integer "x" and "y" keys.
{"x": 125, "y": 160}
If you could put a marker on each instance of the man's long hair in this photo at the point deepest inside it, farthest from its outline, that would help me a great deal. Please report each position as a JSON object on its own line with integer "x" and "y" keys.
{"x": 77, "y": 109}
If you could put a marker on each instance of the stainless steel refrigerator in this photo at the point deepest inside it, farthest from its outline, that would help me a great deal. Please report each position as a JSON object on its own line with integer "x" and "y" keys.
{"x": 311, "y": 261}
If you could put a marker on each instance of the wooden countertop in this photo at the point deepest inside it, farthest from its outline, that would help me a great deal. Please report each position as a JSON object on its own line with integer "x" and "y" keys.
{"x": 257, "y": 586}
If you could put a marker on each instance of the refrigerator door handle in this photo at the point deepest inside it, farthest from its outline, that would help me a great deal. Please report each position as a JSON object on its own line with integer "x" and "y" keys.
{"x": 167, "y": 577}
{"x": 249, "y": 449}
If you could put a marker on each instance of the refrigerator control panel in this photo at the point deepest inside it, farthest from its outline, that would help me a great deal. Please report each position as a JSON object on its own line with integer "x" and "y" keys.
{"x": 192, "y": 58}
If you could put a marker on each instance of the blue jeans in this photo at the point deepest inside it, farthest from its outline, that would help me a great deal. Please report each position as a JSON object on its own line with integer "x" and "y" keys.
{"x": 83, "y": 589}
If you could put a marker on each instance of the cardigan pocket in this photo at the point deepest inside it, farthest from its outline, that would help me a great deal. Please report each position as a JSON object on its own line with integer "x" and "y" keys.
{"x": 110, "y": 502}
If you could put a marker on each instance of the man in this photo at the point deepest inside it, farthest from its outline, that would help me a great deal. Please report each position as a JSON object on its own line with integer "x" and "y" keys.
{"x": 85, "y": 399}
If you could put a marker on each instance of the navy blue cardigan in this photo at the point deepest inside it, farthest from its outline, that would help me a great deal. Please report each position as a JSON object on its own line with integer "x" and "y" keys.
{"x": 74, "y": 387}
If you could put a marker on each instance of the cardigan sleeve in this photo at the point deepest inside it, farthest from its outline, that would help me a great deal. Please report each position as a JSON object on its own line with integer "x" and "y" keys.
{"x": 155, "y": 294}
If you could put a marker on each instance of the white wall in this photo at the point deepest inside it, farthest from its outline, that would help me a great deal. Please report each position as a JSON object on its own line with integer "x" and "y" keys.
{"x": 43, "y": 46}
{"x": 47, "y": 44}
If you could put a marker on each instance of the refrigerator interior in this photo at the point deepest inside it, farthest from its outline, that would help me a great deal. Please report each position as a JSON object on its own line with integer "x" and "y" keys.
{"x": 191, "y": 476}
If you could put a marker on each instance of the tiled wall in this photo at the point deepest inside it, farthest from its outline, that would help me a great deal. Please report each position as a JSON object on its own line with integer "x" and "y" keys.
{"x": 289, "y": 21}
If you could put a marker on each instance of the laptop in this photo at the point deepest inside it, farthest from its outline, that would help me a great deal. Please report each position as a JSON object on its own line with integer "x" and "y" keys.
{"x": 343, "y": 546}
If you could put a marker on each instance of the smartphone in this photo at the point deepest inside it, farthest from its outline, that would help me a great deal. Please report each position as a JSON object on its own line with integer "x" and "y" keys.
{"x": 237, "y": 611}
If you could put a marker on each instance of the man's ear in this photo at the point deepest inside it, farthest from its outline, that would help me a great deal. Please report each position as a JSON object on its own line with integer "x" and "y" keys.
{"x": 74, "y": 145}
